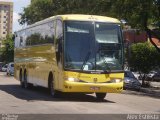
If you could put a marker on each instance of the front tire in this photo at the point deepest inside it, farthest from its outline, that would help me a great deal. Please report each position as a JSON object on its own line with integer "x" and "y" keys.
{"x": 100, "y": 96}
{"x": 52, "y": 90}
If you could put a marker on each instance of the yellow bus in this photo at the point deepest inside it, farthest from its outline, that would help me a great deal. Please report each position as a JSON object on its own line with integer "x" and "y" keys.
{"x": 71, "y": 53}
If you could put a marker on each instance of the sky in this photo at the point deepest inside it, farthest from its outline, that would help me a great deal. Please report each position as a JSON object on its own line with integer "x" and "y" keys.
{"x": 17, "y": 8}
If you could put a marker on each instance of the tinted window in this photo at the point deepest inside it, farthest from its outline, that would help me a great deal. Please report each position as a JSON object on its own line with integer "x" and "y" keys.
{"x": 106, "y": 33}
{"x": 59, "y": 40}
{"x": 93, "y": 46}
{"x": 20, "y": 39}
{"x": 41, "y": 34}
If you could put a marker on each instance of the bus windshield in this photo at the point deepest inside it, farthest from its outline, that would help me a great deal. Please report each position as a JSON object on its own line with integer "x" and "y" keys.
{"x": 93, "y": 46}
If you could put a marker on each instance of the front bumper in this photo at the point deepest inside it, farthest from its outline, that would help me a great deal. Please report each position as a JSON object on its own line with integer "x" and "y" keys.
{"x": 92, "y": 87}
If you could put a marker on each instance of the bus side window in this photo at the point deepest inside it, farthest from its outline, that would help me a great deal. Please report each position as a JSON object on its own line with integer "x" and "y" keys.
{"x": 16, "y": 41}
{"x": 59, "y": 38}
{"x": 51, "y": 32}
{"x": 21, "y": 41}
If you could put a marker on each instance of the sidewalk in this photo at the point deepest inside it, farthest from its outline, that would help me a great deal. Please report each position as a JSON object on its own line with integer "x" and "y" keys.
{"x": 154, "y": 90}
{"x": 151, "y": 91}
{"x": 155, "y": 84}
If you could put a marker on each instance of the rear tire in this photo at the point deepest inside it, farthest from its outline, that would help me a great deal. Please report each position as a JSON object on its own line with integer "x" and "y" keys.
{"x": 21, "y": 80}
{"x": 25, "y": 81}
{"x": 100, "y": 96}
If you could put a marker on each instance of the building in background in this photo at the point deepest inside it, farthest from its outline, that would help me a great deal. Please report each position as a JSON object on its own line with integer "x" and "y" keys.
{"x": 132, "y": 36}
{"x": 6, "y": 19}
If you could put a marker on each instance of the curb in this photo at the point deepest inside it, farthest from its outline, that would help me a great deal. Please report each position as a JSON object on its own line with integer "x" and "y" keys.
{"x": 151, "y": 91}
{"x": 144, "y": 92}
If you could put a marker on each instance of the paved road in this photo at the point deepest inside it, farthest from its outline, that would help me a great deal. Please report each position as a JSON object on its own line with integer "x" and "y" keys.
{"x": 14, "y": 99}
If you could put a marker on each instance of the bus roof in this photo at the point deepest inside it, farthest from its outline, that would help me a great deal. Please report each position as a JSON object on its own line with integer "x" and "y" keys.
{"x": 80, "y": 17}
{"x": 76, "y": 17}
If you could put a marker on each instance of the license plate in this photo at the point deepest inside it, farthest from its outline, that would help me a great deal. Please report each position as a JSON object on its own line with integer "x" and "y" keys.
{"x": 94, "y": 88}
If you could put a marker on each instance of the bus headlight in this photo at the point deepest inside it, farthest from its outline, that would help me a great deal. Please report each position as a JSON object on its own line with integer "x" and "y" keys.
{"x": 116, "y": 80}
{"x": 71, "y": 79}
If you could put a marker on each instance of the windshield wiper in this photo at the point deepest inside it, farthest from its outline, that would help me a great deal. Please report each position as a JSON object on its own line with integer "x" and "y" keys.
{"x": 106, "y": 64}
{"x": 85, "y": 60}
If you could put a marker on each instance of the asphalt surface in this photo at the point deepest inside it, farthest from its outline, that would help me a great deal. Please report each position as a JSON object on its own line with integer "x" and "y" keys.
{"x": 16, "y": 100}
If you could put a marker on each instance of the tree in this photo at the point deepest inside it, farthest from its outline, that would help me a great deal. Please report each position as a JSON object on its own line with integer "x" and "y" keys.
{"x": 8, "y": 49}
{"x": 139, "y": 14}
{"x": 38, "y": 10}
{"x": 144, "y": 58}
{"x": 1, "y": 52}
{"x": 41, "y": 9}
{"x": 156, "y": 12}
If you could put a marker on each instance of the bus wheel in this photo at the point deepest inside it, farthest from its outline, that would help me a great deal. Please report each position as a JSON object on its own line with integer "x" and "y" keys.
{"x": 21, "y": 81}
{"x": 100, "y": 96}
{"x": 52, "y": 91}
{"x": 25, "y": 81}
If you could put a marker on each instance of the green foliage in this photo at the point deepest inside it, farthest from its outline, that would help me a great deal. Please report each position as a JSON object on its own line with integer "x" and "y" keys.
{"x": 41, "y": 9}
{"x": 7, "y": 52}
{"x": 139, "y": 13}
{"x": 144, "y": 57}
{"x": 156, "y": 12}
{"x": 38, "y": 10}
